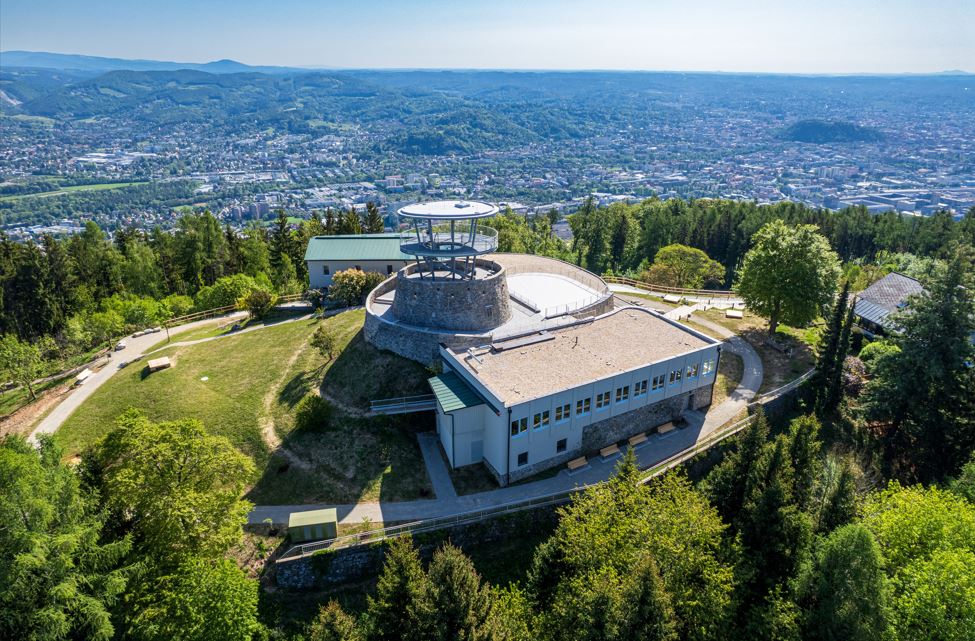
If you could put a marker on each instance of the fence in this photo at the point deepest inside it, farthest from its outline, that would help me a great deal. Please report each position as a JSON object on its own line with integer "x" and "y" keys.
{"x": 473, "y": 516}
{"x": 650, "y": 287}
{"x": 403, "y": 404}
{"x": 217, "y": 311}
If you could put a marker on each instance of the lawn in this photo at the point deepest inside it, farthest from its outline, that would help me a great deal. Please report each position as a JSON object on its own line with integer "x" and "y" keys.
{"x": 254, "y": 381}
{"x": 730, "y": 370}
{"x": 73, "y": 188}
{"x": 780, "y": 367}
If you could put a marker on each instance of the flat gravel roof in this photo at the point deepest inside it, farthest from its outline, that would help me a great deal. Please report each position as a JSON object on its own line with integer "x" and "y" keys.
{"x": 617, "y": 342}
{"x": 448, "y": 210}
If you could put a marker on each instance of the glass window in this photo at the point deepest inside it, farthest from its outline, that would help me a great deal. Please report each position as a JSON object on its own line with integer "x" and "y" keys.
{"x": 692, "y": 371}
{"x": 561, "y": 445}
{"x": 562, "y": 413}
{"x": 523, "y": 459}
{"x": 708, "y": 367}
{"x": 639, "y": 389}
{"x": 602, "y": 400}
{"x": 519, "y": 426}
{"x": 675, "y": 376}
{"x": 389, "y": 269}
{"x": 584, "y": 406}
{"x": 622, "y": 393}
{"x": 540, "y": 420}
{"x": 326, "y": 270}
{"x": 658, "y": 382}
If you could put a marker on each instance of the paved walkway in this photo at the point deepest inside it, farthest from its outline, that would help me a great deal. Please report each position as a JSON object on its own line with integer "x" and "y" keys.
{"x": 722, "y": 301}
{"x": 135, "y": 348}
{"x": 436, "y": 466}
{"x": 657, "y": 448}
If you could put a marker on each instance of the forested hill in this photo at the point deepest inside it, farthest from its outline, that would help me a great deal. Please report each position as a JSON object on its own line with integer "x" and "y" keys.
{"x": 822, "y": 131}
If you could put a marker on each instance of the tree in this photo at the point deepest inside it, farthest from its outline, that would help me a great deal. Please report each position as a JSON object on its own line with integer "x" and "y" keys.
{"x": 829, "y": 343}
{"x": 325, "y": 342}
{"x": 374, "y": 221}
{"x": 964, "y": 483}
{"x": 804, "y": 449}
{"x": 834, "y": 389}
{"x": 351, "y": 286}
{"x": 258, "y": 303}
{"x": 936, "y": 598}
{"x": 23, "y": 362}
{"x": 202, "y": 600}
{"x": 175, "y": 486}
{"x": 920, "y": 399}
{"x": 845, "y": 590}
{"x": 225, "y": 291}
{"x": 839, "y": 501}
{"x": 333, "y": 624}
{"x": 647, "y": 614}
{"x": 789, "y": 275}
{"x": 604, "y": 534}
{"x": 682, "y": 266}
{"x": 349, "y": 222}
{"x": 727, "y": 483}
{"x": 461, "y": 604}
{"x": 59, "y": 577}
{"x": 402, "y": 608}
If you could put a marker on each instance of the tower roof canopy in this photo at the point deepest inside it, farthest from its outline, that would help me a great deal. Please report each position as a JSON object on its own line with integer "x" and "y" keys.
{"x": 448, "y": 210}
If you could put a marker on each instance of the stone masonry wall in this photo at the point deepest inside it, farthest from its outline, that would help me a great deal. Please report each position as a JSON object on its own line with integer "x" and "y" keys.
{"x": 596, "y": 436}
{"x": 465, "y": 305}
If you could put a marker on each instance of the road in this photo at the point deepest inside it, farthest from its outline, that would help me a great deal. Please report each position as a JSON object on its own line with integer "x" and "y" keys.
{"x": 134, "y": 348}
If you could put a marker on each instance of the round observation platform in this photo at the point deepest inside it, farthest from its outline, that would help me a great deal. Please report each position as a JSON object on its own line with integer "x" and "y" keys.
{"x": 445, "y": 237}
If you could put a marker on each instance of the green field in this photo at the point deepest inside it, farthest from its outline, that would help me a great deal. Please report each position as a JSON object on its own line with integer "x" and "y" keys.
{"x": 254, "y": 381}
{"x": 72, "y": 188}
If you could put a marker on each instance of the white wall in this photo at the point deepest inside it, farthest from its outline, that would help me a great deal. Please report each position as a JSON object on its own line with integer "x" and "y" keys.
{"x": 317, "y": 279}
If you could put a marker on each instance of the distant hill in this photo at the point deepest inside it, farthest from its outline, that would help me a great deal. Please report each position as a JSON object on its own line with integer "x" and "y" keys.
{"x": 822, "y": 131}
{"x": 97, "y": 64}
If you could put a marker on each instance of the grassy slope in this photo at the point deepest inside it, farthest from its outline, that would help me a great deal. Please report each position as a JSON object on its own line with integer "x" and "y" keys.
{"x": 263, "y": 374}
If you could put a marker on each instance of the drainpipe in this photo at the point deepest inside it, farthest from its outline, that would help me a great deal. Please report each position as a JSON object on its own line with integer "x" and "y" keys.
{"x": 507, "y": 460}
{"x": 453, "y": 444}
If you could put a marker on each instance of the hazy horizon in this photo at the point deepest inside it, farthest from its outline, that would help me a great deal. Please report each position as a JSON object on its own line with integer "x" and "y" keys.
{"x": 863, "y": 37}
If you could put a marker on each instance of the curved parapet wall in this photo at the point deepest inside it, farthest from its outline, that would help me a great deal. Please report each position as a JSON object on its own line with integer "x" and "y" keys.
{"x": 458, "y": 305}
{"x": 601, "y": 302}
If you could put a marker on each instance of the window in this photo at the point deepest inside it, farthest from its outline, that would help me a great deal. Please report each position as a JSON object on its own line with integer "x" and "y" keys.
{"x": 583, "y": 406}
{"x": 541, "y": 420}
{"x": 326, "y": 269}
{"x": 561, "y": 445}
{"x": 708, "y": 367}
{"x": 523, "y": 459}
{"x": 389, "y": 269}
{"x": 622, "y": 393}
{"x": 602, "y": 400}
{"x": 562, "y": 413}
{"x": 357, "y": 267}
{"x": 675, "y": 376}
{"x": 640, "y": 389}
{"x": 692, "y": 371}
{"x": 658, "y": 382}
{"x": 519, "y": 426}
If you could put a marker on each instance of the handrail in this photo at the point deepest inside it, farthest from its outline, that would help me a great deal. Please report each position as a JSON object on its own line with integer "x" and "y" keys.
{"x": 437, "y": 523}
{"x": 404, "y": 401}
{"x": 639, "y": 284}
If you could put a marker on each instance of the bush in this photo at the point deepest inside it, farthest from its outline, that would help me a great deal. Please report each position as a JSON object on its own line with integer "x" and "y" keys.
{"x": 313, "y": 413}
{"x": 875, "y": 352}
{"x": 351, "y": 286}
{"x": 258, "y": 303}
{"x": 226, "y": 291}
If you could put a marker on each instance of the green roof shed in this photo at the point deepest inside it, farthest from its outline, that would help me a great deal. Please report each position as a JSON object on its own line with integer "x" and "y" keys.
{"x": 313, "y": 525}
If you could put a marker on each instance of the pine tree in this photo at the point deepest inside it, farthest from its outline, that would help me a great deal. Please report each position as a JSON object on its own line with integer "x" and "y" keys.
{"x": 728, "y": 482}
{"x": 333, "y": 624}
{"x": 804, "y": 451}
{"x": 646, "y": 613}
{"x": 374, "y": 220}
{"x": 331, "y": 225}
{"x": 350, "y": 223}
{"x": 402, "y": 609}
{"x": 834, "y": 393}
{"x": 840, "y": 506}
{"x": 831, "y": 339}
{"x": 461, "y": 604}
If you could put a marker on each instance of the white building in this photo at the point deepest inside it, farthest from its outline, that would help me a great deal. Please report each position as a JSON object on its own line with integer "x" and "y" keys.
{"x": 327, "y": 255}
{"x": 530, "y": 403}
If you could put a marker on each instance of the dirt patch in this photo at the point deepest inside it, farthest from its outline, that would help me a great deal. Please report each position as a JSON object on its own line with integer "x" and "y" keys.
{"x": 268, "y": 431}
{"x": 23, "y": 419}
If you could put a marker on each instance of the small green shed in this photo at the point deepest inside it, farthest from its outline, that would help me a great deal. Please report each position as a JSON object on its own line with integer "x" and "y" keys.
{"x": 313, "y": 525}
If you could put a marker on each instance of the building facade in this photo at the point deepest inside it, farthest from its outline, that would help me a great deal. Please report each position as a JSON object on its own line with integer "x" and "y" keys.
{"x": 327, "y": 255}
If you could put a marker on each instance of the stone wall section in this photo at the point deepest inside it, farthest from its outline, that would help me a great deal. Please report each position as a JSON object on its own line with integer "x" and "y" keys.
{"x": 461, "y": 305}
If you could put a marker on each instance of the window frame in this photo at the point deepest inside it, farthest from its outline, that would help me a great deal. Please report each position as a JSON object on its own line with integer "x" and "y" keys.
{"x": 583, "y": 406}
{"x": 566, "y": 410}
{"x": 518, "y": 460}
{"x": 561, "y": 445}
{"x": 326, "y": 269}
{"x": 623, "y": 394}
{"x": 601, "y": 404}
{"x": 522, "y": 424}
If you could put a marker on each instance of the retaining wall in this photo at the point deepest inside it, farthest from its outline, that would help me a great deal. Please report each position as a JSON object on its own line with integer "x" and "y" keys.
{"x": 461, "y": 305}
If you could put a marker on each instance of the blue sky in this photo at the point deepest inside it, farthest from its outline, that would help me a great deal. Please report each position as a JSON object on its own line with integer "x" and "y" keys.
{"x": 811, "y": 36}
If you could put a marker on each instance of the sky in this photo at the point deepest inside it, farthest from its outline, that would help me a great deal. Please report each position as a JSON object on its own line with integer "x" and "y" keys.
{"x": 779, "y": 36}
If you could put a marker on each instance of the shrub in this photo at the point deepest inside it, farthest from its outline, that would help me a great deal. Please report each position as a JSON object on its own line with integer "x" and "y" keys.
{"x": 313, "y": 413}
{"x": 226, "y": 291}
{"x": 258, "y": 303}
{"x": 875, "y": 352}
{"x": 351, "y": 286}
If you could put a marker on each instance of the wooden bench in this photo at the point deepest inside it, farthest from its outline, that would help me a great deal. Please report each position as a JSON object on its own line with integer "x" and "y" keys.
{"x": 734, "y": 313}
{"x": 666, "y": 427}
{"x": 609, "y": 451}
{"x": 577, "y": 464}
{"x": 159, "y": 363}
{"x": 672, "y": 298}
{"x": 638, "y": 439}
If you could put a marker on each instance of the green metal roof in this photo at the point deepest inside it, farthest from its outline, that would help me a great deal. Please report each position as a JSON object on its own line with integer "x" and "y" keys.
{"x": 312, "y": 517}
{"x": 453, "y": 393}
{"x": 355, "y": 247}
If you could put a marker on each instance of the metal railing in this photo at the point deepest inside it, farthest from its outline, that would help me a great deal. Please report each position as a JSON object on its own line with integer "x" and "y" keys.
{"x": 664, "y": 289}
{"x": 403, "y": 404}
{"x": 557, "y": 498}
{"x": 446, "y": 242}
